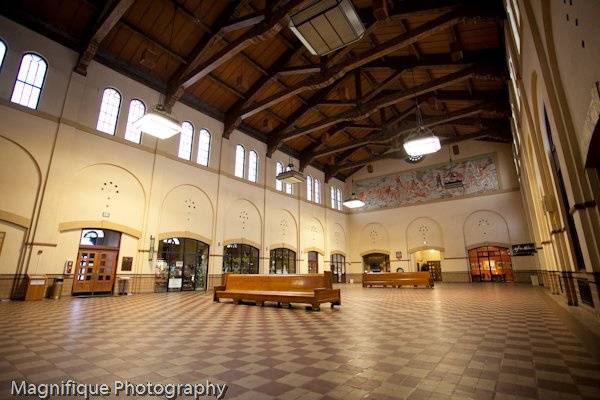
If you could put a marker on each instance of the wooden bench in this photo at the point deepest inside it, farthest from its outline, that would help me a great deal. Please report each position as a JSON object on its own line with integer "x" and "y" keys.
{"x": 312, "y": 289}
{"x": 398, "y": 279}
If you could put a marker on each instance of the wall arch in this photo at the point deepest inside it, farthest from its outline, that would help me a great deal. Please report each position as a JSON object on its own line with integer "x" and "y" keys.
{"x": 313, "y": 234}
{"x": 486, "y": 227}
{"x": 104, "y": 192}
{"x": 337, "y": 239}
{"x": 187, "y": 209}
{"x": 243, "y": 222}
{"x": 21, "y": 174}
{"x": 282, "y": 230}
{"x": 374, "y": 238}
{"x": 424, "y": 233}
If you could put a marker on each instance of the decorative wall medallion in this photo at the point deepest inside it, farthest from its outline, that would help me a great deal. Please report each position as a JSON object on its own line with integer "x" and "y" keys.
{"x": 484, "y": 225}
{"x": 373, "y": 235}
{"x": 283, "y": 227}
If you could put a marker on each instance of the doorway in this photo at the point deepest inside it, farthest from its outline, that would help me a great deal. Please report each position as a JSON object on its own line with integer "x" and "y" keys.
{"x": 490, "y": 264}
{"x": 183, "y": 265}
{"x": 313, "y": 262}
{"x": 96, "y": 262}
{"x": 376, "y": 262}
{"x": 240, "y": 258}
{"x": 338, "y": 268}
{"x": 430, "y": 260}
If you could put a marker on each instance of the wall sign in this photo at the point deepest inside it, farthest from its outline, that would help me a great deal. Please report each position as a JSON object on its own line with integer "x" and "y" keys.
{"x": 399, "y": 255}
{"x": 523, "y": 249}
{"x": 127, "y": 264}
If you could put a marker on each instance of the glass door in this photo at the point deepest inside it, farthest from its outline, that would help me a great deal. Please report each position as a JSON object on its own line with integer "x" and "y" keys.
{"x": 338, "y": 268}
{"x": 313, "y": 262}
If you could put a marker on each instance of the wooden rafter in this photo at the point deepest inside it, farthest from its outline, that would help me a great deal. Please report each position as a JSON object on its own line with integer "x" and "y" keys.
{"x": 364, "y": 110}
{"x": 199, "y": 69}
{"x": 109, "y": 17}
{"x": 333, "y": 73}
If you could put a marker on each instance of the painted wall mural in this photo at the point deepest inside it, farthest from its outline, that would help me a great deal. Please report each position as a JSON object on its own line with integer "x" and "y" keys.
{"x": 455, "y": 179}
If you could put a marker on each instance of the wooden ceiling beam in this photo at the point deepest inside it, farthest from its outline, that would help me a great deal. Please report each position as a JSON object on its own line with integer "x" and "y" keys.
{"x": 109, "y": 17}
{"x": 314, "y": 99}
{"x": 364, "y": 110}
{"x": 334, "y": 72}
{"x": 389, "y": 132}
{"x": 244, "y": 22}
{"x": 300, "y": 69}
{"x": 199, "y": 69}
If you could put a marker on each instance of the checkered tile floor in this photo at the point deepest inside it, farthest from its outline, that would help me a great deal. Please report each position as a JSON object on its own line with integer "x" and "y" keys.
{"x": 453, "y": 342}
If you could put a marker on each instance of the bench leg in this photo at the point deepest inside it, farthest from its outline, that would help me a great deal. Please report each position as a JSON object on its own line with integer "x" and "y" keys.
{"x": 336, "y": 303}
{"x": 237, "y": 301}
{"x": 260, "y": 303}
{"x": 316, "y": 307}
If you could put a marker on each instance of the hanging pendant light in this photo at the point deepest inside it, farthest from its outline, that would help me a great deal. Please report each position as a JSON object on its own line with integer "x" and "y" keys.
{"x": 422, "y": 140}
{"x": 290, "y": 175}
{"x": 353, "y": 201}
{"x": 158, "y": 123}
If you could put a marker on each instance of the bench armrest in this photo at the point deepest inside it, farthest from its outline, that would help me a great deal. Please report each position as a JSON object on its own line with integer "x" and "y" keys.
{"x": 215, "y": 290}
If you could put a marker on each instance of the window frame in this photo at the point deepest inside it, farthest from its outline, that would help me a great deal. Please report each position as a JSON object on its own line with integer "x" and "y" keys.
{"x": 309, "y": 188}
{"x": 191, "y": 146}
{"x": 128, "y": 122}
{"x": 4, "y": 55}
{"x": 252, "y": 169}
{"x": 242, "y": 162}
{"x": 207, "y": 132}
{"x": 279, "y": 185}
{"x": 116, "y": 123}
{"x": 41, "y": 87}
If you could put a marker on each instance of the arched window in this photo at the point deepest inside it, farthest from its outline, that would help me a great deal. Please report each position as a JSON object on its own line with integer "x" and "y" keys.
{"x": 240, "y": 160}
{"x": 317, "y": 191}
{"x": 252, "y": 166}
{"x": 309, "y": 188}
{"x": 278, "y": 170}
{"x": 240, "y": 259}
{"x": 137, "y": 109}
{"x": 2, "y": 52}
{"x": 333, "y": 197}
{"x": 204, "y": 147}
{"x": 339, "y": 198}
{"x": 282, "y": 261}
{"x": 30, "y": 80}
{"x": 186, "y": 139}
{"x": 109, "y": 111}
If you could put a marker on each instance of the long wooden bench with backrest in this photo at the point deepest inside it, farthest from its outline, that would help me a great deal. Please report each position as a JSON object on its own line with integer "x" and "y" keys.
{"x": 398, "y": 279}
{"x": 313, "y": 289}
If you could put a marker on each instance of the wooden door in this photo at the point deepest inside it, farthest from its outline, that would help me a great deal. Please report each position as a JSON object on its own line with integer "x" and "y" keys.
{"x": 313, "y": 262}
{"x": 105, "y": 272}
{"x": 95, "y": 271}
{"x": 435, "y": 269}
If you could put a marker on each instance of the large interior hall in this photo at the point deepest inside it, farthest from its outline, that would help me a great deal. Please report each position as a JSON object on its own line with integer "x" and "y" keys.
{"x": 300, "y": 199}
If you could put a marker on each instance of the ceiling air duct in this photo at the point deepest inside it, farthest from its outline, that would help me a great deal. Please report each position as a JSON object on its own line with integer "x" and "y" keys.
{"x": 327, "y": 25}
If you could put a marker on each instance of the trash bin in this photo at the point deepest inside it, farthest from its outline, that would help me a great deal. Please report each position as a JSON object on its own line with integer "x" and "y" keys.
{"x": 56, "y": 289}
{"x": 35, "y": 287}
{"x": 534, "y": 280}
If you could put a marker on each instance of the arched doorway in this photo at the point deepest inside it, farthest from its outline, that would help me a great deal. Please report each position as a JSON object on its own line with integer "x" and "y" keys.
{"x": 429, "y": 260}
{"x": 313, "y": 262}
{"x": 183, "y": 265}
{"x": 376, "y": 262}
{"x": 282, "y": 261}
{"x": 240, "y": 258}
{"x": 338, "y": 268}
{"x": 96, "y": 262}
{"x": 490, "y": 264}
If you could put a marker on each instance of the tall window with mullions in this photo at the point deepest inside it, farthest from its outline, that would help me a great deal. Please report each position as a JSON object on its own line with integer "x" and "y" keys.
{"x": 282, "y": 261}
{"x": 240, "y": 259}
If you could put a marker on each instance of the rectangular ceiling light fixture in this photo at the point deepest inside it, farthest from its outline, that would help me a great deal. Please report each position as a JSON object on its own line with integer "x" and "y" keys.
{"x": 327, "y": 25}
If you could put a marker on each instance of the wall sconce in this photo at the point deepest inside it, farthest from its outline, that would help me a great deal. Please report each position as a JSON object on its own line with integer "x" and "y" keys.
{"x": 151, "y": 250}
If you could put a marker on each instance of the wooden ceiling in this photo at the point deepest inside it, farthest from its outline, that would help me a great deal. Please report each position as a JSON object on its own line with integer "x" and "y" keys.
{"x": 237, "y": 61}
